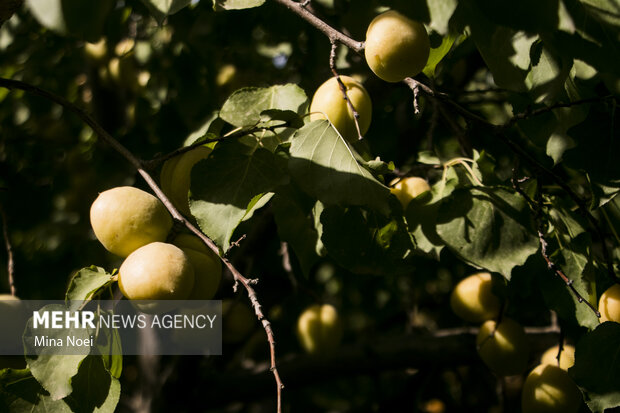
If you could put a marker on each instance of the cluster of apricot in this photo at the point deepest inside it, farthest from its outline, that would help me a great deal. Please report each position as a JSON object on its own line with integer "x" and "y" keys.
{"x": 396, "y": 47}
{"x": 503, "y": 346}
{"x": 134, "y": 224}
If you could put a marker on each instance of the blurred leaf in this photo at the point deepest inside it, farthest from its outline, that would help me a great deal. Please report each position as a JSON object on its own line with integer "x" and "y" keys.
{"x": 244, "y": 107}
{"x": 83, "y": 19}
{"x": 490, "y": 228}
{"x": 162, "y": 8}
{"x": 325, "y": 167}
{"x": 85, "y": 283}
{"x": 219, "y": 5}
{"x": 597, "y": 363}
{"x": 224, "y": 185}
{"x": 441, "y": 12}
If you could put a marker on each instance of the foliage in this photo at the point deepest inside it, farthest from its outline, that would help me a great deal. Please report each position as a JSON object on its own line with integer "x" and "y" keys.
{"x": 513, "y": 123}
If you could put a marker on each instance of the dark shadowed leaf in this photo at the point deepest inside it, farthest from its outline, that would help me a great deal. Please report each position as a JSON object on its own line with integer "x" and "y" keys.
{"x": 597, "y": 363}
{"x": 490, "y": 228}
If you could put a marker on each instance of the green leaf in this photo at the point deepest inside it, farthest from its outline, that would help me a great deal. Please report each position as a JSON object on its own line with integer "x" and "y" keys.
{"x": 292, "y": 118}
{"x": 220, "y": 5}
{"x": 547, "y": 74}
{"x": 295, "y": 224}
{"x": 505, "y": 51}
{"x": 244, "y": 107}
{"x": 94, "y": 390}
{"x": 440, "y": 14}
{"x": 111, "y": 350}
{"x": 325, "y": 167}
{"x": 379, "y": 167}
{"x": 85, "y": 283}
{"x": 437, "y": 54}
{"x": 162, "y": 8}
{"x": 224, "y": 185}
{"x": 490, "y": 228}
{"x": 365, "y": 242}
{"x": 597, "y": 363}
{"x": 83, "y": 19}
{"x": 27, "y": 395}
{"x": 573, "y": 258}
{"x": 52, "y": 369}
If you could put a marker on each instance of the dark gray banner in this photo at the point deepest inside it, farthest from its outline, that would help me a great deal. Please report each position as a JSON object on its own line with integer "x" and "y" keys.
{"x": 37, "y": 327}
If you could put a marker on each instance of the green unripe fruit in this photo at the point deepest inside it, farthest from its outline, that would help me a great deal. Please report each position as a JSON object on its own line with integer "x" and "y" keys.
{"x": 396, "y": 46}
{"x": 13, "y": 314}
{"x": 176, "y": 176}
{"x": 409, "y": 188}
{"x": 319, "y": 329}
{"x": 157, "y": 271}
{"x": 473, "y": 300}
{"x": 207, "y": 266}
{"x": 126, "y": 218}
{"x": 549, "y": 389}
{"x": 329, "y": 101}
{"x": 567, "y": 357}
{"x": 503, "y": 348}
{"x": 609, "y": 304}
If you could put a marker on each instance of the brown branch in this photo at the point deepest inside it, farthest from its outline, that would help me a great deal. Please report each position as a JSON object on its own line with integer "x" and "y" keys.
{"x": 569, "y": 283}
{"x": 546, "y": 109}
{"x": 343, "y": 89}
{"x": 9, "y": 252}
{"x": 538, "y": 216}
{"x": 442, "y": 349}
{"x": 153, "y": 163}
{"x": 138, "y": 165}
{"x": 330, "y": 32}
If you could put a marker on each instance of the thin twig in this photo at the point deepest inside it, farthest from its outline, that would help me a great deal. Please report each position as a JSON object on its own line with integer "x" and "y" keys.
{"x": 330, "y": 32}
{"x": 240, "y": 132}
{"x": 9, "y": 252}
{"x": 343, "y": 89}
{"x": 538, "y": 216}
{"x": 569, "y": 283}
{"x": 138, "y": 165}
{"x": 540, "y": 111}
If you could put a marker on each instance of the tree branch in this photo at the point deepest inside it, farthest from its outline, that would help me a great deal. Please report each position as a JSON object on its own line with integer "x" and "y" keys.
{"x": 442, "y": 349}
{"x": 343, "y": 89}
{"x": 330, "y": 32}
{"x": 9, "y": 252}
{"x": 153, "y": 163}
{"x": 138, "y": 165}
